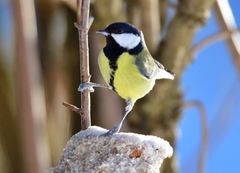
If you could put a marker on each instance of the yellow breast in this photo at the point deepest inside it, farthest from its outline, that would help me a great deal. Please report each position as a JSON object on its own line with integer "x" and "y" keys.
{"x": 104, "y": 67}
{"x": 129, "y": 83}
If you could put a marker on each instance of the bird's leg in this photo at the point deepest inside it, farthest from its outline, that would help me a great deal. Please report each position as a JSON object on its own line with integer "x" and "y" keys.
{"x": 89, "y": 86}
{"x": 118, "y": 126}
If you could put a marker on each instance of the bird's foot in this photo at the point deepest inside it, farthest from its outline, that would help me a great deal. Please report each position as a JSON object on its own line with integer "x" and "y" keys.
{"x": 86, "y": 86}
{"x": 114, "y": 130}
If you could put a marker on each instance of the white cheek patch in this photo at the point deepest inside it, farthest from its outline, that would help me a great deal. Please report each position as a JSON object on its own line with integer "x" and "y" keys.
{"x": 128, "y": 41}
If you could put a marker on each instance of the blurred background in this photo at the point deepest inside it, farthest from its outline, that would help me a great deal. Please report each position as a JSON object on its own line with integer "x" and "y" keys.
{"x": 198, "y": 112}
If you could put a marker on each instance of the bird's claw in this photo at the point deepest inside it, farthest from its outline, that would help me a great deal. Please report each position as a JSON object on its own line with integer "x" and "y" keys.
{"x": 113, "y": 131}
{"x": 88, "y": 86}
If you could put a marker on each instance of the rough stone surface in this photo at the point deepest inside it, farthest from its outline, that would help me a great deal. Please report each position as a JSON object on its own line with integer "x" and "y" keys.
{"x": 88, "y": 152}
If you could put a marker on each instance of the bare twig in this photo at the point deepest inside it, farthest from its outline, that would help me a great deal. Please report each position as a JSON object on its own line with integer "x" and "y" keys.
{"x": 82, "y": 26}
{"x": 204, "y": 144}
{"x": 72, "y": 107}
{"x": 222, "y": 35}
{"x": 227, "y": 22}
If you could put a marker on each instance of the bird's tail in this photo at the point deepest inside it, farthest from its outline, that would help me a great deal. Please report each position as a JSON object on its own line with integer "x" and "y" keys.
{"x": 165, "y": 74}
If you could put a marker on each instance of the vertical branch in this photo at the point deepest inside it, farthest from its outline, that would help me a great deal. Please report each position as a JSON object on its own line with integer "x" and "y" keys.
{"x": 82, "y": 25}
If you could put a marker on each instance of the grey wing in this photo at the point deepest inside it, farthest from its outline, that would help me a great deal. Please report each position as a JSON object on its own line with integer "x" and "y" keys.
{"x": 147, "y": 67}
{"x": 151, "y": 68}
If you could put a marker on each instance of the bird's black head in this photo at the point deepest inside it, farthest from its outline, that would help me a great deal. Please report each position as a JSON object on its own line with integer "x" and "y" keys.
{"x": 122, "y": 28}
{"x": 124, "y": 34}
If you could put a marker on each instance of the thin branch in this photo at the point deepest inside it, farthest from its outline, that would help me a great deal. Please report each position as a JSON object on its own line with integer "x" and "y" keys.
{"x": 79, "y": 3}
{"x": 222, "y": 35}
{"x": 82, "y": 26}
{"x": 204, "y": 143}
{"x": 227, "y": 22}
{"x": 83, "y": 23}
{"x": 72, "y": 4}
{"x": 72, "y": 107}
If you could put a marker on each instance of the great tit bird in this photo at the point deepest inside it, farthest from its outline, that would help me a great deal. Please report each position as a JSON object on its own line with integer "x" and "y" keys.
{"x": 127, "y": 66}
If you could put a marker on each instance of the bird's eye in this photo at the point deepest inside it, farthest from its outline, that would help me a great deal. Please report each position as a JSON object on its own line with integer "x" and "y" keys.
{"x": 119, "y": 31}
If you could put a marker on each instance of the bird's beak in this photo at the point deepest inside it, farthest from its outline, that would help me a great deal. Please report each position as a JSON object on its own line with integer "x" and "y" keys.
{"x": 103, "y": 32}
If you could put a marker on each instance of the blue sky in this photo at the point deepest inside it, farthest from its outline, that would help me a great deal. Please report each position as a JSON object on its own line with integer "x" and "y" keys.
{"x": 211, "y": 79}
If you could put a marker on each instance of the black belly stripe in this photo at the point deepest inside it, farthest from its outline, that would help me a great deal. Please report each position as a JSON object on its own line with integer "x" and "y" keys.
{"x": 111, "y": 82}
{"x": 113, "y": 66}
{"x": 113, "y": 51}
